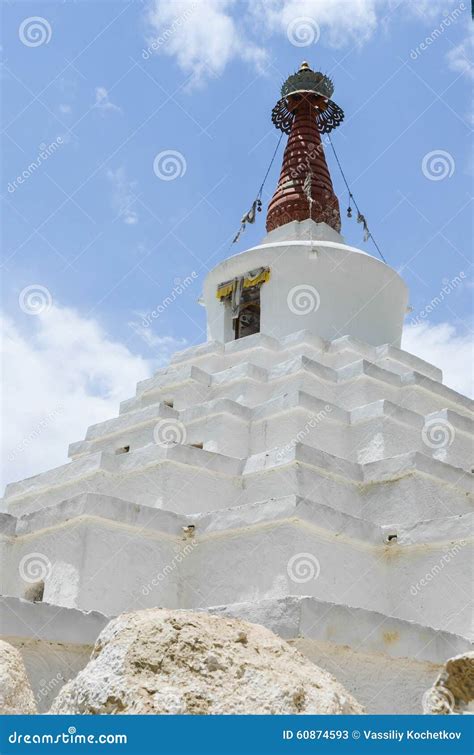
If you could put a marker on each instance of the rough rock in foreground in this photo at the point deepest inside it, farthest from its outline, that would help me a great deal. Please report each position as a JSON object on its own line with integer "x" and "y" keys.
{"x": 16, "y": 696}
{"x": 453, "y": 690}
{"x": 161, "y": 661}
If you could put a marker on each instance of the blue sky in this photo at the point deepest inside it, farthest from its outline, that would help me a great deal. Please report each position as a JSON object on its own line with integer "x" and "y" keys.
{"x": 101, "y": 239}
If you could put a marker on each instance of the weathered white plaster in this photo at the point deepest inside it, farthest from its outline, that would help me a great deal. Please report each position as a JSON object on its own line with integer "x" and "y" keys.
{"x": 309, "y": 446}
{"x": 55, "y": 643}
{"x": 243, "y": 552}
{"x": 371, "y": 297}
{"x": 375, "y": 431}
{"x": 62, "y": 585}
{"x": 189, "y": 480}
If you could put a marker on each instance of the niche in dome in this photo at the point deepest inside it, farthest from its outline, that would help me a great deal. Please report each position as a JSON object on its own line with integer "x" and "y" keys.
{"x": 247, "y": 321}
{"x": 241, "y": 297}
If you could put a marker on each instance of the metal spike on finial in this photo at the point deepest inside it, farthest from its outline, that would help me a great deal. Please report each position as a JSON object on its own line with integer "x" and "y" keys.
{"x": 305, "y": 66}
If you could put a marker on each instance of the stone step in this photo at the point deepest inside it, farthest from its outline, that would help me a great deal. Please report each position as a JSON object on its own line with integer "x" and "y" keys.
{"x": 356, "y": 384}
{"x": 266, "y": 351}
{"x": 287, "y": 546}
{"x": 145, "y": 520}
{"x": 189, "y": 480}
{"x": 375, "y": 431}
{"x": 291, "y": 618}
{"x": 310, "y": 618}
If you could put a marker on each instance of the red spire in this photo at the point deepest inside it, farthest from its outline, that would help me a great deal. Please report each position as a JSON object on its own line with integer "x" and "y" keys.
{"x": 305, "y": 189}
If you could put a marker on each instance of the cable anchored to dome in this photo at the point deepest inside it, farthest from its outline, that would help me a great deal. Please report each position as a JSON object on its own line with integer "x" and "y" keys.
{"x": 360, "y": 217}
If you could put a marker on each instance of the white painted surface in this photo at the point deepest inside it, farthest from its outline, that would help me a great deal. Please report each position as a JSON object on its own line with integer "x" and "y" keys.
{"x": 244, "y": 554}
{"x": 356, "y": 294}
{"x": 310, "y": 446}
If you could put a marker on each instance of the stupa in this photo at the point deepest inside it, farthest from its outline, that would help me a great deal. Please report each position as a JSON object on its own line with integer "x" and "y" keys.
{"x": 298, "y": 469}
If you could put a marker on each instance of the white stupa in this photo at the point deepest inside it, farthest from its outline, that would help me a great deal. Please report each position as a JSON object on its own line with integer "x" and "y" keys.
{"x": 298, "y": 470}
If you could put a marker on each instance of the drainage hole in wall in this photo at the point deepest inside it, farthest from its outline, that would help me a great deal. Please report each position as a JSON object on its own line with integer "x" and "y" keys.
{"x": 123, "y": 450}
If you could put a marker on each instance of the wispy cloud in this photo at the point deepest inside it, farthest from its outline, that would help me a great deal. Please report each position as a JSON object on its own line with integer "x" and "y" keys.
{"x": 460, "y": 61}
{"x": 205, "y": 36}
{"x": 103, "y": 102}
{"x": 447, "y": 348}
{"x": 161, "y": 345}
{"x": 123, "y": 195}
{"x": 64, "y": 384}
{"x": 460, "y": 57}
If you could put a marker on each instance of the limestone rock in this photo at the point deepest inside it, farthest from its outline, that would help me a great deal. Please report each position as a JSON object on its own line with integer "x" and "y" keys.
{"x": 453, "y": 690}
{"x": 180, "y": 662}
{"x": 16, "y": 696}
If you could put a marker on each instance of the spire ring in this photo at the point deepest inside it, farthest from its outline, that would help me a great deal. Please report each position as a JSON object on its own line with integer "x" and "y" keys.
{"x": 327, "y": 119}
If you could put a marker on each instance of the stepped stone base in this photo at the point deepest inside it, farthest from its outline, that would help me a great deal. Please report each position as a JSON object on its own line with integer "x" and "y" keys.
{"x": 304, "y": 488}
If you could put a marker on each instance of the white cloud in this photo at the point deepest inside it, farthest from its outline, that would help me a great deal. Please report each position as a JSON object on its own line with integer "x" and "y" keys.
{"x": 103, "y": 103}
{"x": 443, "y": 346}
{"x": 460, "y": 58}
{"x": 203, "y": 36}
{"x": 428, "y": 11}
{"x": 339, "y": 21}
{"x": 206, "y": 35}
{"x": 61, "y": 377}
{"x": 123, "y": 195}
{"x": 460, "y": 61}
{"x": 160, "y": 344}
